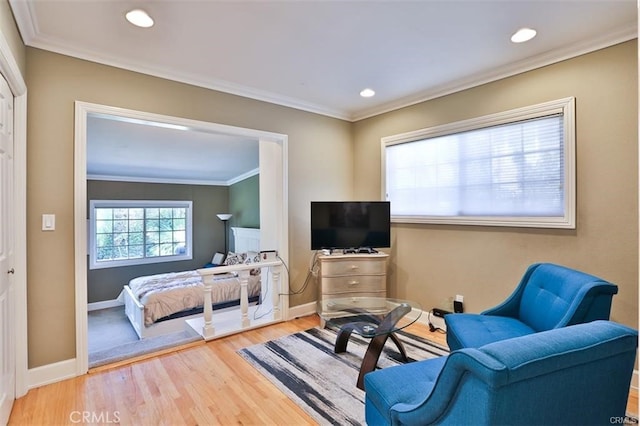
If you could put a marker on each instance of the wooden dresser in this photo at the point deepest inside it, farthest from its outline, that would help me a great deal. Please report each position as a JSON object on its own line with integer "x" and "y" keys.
{"x": 345, "y": 275}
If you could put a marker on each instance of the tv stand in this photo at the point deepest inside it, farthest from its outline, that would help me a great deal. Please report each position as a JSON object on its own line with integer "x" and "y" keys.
{"x": 351, "y": 274}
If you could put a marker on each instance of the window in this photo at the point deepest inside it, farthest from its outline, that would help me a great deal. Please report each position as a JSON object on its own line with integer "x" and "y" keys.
{"x": 126, "y": 233}
{"x": 515, "y": 168}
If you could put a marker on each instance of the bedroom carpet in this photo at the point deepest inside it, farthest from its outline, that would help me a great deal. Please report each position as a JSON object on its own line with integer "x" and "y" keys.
{"x": 305, "y": 368}
{"x": 112, "y": 338}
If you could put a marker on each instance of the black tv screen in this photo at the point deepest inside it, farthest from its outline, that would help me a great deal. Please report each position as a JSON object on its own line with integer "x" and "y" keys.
{"x": 350, "y": 224}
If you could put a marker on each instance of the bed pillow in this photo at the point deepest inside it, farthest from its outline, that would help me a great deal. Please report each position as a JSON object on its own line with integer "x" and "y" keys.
{"x": 217, "y": 258}
{"x": 252, "y": 257}
{"x": 235, "y": 258}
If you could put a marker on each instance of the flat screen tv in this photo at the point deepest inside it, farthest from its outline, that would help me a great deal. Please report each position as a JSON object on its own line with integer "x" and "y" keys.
{"x": 353, "y": 226}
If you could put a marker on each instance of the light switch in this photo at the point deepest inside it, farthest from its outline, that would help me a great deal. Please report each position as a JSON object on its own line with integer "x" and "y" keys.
{"x": 48, "y": 222}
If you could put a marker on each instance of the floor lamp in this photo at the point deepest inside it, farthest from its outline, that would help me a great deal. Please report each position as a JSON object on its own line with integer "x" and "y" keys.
{"x": 225, "y": 218}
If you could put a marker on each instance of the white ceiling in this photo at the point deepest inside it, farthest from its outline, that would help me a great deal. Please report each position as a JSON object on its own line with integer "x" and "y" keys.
{"x": 132, "y": 150}
{"x": 318, "y": 55}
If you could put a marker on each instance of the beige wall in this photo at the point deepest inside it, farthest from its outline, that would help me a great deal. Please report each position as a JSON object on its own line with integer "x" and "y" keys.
{"x": 327, "y": 156}
{"x": 56, "y": 81}
{"x": 432, "y": 263}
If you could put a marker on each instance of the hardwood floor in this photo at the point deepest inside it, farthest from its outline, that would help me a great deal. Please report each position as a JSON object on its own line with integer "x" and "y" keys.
{"x": 204, "y": 384}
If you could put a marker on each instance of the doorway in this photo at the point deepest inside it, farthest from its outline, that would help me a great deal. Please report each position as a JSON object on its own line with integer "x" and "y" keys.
{"x": 7, "y": 269}
{"x": 273, "y": 201}
{"x": 17, "y": 213}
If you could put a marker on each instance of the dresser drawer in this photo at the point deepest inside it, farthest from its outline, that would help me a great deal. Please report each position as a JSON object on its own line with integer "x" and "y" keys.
{"x": 351, "y": 275}
{"x": 353, "y": 284}
{"x": 354, "y": 267}
{"x": 325, "y": 307}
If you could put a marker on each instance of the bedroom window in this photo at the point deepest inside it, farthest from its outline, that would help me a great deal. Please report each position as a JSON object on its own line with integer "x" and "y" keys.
{"x": 124, "y": 233}
{"x": 515, "y": 168}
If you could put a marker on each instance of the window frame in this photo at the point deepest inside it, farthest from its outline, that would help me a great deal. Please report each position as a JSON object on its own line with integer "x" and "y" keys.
{"x": 565, "y": 107}
{"x": 94, "y": 204}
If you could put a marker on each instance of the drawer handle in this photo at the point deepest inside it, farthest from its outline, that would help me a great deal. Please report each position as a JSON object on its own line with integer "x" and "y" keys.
{"x": 354, "y": 267}
{"x": 354, "y": 282}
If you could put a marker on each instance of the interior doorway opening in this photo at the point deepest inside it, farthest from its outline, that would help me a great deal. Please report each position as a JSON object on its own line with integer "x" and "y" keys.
{"x": 272, "y": 148}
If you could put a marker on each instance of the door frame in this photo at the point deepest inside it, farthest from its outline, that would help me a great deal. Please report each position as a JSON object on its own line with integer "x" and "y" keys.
{"x": 273, "y": 148}
{"x": 11, "y": 72}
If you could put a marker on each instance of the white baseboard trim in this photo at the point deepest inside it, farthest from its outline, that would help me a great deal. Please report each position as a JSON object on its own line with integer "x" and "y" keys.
{"x": 302, "y": 310}
{"x": 51, "y": 373}
{"x": 94, "y": 306}
{"x": 63, "y": 370}
{"x": 427, "y": 317}
{"x": 56, "y": 372}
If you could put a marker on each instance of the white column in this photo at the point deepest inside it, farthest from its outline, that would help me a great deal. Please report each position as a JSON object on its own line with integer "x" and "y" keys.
{"x": 275, "y": 294}
{"x": 243, "y": 276}
{"x": 208, "y": 329}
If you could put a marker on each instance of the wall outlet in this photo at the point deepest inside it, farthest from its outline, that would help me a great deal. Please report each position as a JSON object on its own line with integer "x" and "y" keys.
{"x": 267, "y": 255}
{"x": 457, "y": 304}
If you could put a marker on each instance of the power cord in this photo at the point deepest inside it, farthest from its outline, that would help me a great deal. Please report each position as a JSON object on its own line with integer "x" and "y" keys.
{"x": 263, "y": 298}
{"x": 305, "y": 284}
{"x": 433, "y": 328}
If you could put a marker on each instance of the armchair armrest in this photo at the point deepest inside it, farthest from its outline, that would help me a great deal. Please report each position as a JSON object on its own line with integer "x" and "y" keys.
{"x": 445, "y": 392}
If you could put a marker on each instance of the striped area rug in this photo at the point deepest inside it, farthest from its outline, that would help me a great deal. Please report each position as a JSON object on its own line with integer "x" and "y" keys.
{"x": 323, "y": 383}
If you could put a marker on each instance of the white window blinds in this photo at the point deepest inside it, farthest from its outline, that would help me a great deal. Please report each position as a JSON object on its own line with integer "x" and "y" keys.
{"x": 511, "y": 173}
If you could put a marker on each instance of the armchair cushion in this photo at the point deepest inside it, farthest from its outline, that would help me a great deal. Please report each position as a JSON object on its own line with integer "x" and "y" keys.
{"x": 473, "y": 331}
{"x": 573, "y": 375}
{"x": 548, "y": 296}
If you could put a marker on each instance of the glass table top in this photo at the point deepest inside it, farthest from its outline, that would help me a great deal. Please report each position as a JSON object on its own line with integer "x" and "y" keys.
{"x": 370, "y": 316}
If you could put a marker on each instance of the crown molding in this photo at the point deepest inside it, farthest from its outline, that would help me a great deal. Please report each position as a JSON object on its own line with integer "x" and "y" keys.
{"x": 28, "y": 26}
{"x": 621, "y": 35}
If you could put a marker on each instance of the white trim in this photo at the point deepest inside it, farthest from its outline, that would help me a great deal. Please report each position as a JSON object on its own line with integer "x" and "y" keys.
{"x": 565, "y": 106}
{"x": 96, "y": 204}
{"x": 11, "y": 72}
{"x": 156, "y": 180}
{"x": 243, "y": 176}
{"x": 302, "y": 310}
{"x": 229, "y": 182}
{"x": 105, "y": 304}
{"x": 32, "y": 37}
{"x": 273, "y": 198}
{"x": 619, "y": 35}
{"x": 51, "y": 373}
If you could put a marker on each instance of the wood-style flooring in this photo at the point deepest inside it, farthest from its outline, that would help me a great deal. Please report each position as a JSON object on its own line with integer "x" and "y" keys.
{"x": 201, "y": 383}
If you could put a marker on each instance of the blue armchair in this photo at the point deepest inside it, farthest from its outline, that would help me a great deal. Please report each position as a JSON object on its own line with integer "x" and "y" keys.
{"x": 576, "y": 375}
{"x": 549, "y": 296}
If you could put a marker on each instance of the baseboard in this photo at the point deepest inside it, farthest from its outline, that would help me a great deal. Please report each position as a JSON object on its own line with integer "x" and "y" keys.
{"x": 63, "y": 370}
{"x": 51, "y": 373}
{"x": 94, "y": 306}
{"x": 428, "y": 318}
{"x": 302, "y": 310}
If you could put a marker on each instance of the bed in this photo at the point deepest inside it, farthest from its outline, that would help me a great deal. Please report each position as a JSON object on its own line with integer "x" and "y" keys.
{"x": 160, "y": 304}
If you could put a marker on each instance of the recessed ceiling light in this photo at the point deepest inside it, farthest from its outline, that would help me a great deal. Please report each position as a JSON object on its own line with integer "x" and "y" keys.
{"x": 139, "y": 18}
{"x": 367, "y": 93}
{"x": 523, "y": 34}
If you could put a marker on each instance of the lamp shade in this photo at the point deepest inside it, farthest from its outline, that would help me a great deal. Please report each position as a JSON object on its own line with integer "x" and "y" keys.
{"x": 224, "y": 216}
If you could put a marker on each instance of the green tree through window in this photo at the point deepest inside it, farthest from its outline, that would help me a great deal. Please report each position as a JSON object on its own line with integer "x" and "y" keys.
{"x": 139, "y": 234}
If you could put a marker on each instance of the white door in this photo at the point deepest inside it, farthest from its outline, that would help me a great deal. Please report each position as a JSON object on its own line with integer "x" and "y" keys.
{"x": 7, "y": 314}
